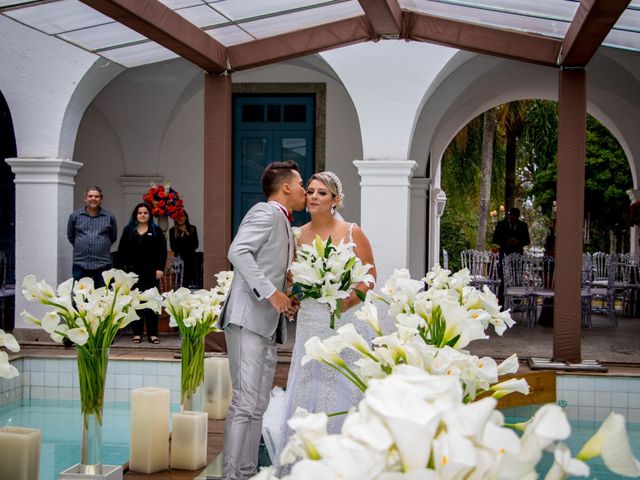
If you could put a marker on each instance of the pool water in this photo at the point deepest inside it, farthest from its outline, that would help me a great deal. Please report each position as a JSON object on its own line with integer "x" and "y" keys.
{"x": 61, "y": 425}
{"x": 581, "y": 431}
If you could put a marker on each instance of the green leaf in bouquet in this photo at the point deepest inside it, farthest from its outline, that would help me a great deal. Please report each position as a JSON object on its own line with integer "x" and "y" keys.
{"x": 350, "y": 263}
{"x": 345, "y": 281}
{"x": 360, "y": 294}
{"x": 452, "y": 343}
{"x": 319, "y": 246}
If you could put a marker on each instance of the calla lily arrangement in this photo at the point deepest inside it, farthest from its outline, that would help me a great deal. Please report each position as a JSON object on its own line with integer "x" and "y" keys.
{"x": 328, "y": 272}
{"x": 412, "y": 425}
{"x": 432, "y": 326}
{"x": 195, "y": 315}
{"x": 89, "y": 317}
{"x": 9, "y": 342}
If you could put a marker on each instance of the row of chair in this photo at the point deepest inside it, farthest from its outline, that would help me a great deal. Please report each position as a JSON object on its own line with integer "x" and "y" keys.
{"x": 607, "y": 281}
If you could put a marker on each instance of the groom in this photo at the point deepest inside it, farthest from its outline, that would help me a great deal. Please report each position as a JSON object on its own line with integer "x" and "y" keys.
{"x": 253, "y": 314}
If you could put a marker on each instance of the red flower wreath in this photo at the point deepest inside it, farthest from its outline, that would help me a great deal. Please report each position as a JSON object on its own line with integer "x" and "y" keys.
{"x": 164, "y": 201}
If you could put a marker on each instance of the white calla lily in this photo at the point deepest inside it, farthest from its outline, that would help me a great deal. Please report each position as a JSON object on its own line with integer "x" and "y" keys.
{"x": 9, "y": 341}
{"x": 6, "y": 369}
{"x": 509, "y": 366}
{"x": 78, "y": 335}
{"x": 564, "y": 465}
{"x": 512, "y": 385}
{"x": 611, "y": 442}
{"x": 50, "y": 321}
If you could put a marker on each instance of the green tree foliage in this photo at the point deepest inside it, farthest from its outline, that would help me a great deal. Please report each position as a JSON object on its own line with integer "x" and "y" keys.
{"x": 607, "y": 178}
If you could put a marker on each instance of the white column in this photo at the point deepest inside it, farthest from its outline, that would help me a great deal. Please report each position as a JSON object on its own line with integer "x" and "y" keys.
{"x": 44, "y": 201}
{"x": 634, "y": 232}
{"x": 418, "y": 227}
{"x": 133, "y": 188}
{"x": 384, "y": 211}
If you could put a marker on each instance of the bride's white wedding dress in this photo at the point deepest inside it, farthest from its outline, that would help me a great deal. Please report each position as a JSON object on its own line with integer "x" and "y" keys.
{"x": 316, "y": 386}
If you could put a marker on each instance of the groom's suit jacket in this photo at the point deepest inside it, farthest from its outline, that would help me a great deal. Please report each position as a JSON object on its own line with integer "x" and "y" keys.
{"x": 260, "y": 253}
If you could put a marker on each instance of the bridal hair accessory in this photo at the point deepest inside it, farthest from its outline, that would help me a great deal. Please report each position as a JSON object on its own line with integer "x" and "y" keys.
{"x": 337, "y": 181}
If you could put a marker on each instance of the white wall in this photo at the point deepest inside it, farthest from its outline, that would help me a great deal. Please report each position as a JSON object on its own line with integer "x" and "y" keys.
{"x": 343, "y": 138}
{"x": 38, "y": 76}
{"x": 150, "y": 121}
{"x": 101, "y": 152}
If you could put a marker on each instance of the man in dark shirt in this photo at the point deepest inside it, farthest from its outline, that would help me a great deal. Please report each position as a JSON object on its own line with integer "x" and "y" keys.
{"x": 512, "y": 234}
{"x": 92, "y": 230}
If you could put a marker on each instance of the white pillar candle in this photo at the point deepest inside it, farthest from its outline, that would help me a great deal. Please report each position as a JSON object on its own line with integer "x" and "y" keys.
{"x": 217, "y": 387}
{"x": 149, "y": 429}
{"x": 20, "y": 457}
{"x": 189, "y": 440}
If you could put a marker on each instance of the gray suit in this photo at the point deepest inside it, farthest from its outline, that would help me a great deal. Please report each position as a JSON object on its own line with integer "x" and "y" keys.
{"x": 260, "y": 253}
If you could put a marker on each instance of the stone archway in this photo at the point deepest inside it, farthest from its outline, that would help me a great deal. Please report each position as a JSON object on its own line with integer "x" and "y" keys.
{"x": 481, "y": 82}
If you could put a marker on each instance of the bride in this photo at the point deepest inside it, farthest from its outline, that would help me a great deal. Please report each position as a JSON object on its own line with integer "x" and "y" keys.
{"x": 315, "y": 386}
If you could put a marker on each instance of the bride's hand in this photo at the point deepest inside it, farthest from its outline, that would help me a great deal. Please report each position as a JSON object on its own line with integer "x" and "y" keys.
{"x": 349, "y": 302}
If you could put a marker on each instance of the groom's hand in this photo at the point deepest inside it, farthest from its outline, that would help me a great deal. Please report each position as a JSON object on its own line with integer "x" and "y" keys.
{"x": 279, "y": 301}
{"x": 292, "y": 310}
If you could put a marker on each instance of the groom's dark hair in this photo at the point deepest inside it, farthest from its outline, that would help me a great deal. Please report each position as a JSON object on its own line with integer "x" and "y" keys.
{"x": 275, "y": 174}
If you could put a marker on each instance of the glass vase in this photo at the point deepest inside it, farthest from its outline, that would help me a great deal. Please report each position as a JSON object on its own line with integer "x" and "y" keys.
{"x": 92, "y": 375}
{"x": 192, "y": 374}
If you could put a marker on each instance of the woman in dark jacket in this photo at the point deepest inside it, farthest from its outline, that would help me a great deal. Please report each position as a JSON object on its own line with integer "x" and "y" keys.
{"x": 143, "y": 250}
{"x": 183, "y": 240}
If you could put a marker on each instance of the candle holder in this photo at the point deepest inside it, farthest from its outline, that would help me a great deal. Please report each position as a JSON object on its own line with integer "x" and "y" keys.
{"x": 109, "y": 472}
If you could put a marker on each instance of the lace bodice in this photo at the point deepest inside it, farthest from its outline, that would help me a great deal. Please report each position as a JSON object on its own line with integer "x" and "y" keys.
{"x": 348, "y": 237}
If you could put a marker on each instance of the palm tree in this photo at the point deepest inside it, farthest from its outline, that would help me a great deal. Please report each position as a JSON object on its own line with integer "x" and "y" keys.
{"x": 488, "y": 136}
{"x": 511, "y": 120}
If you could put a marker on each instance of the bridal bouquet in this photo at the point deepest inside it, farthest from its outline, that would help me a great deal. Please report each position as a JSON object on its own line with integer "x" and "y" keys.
{"x": 328, "y": 273}
{"x": 89, "y": 317}
{"x": 195, "y": 314}
{"x": 413, "y": 425}
{"x": 9, "y": 342}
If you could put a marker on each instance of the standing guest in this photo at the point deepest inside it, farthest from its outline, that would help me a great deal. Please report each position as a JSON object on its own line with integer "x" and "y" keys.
{"x": 92, "y": 230}
{"x": 183, "y": 239}
{"x": 143, "y": 250}
{"x": 512, "y": 234}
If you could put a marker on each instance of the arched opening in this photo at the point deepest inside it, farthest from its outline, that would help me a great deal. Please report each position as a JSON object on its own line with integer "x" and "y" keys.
{"x": 7, "y": 217}
{"x": 532, "y": 126}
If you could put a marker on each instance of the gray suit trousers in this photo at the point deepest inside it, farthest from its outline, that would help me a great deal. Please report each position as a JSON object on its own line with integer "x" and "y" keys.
{"x": 252, "y": 361}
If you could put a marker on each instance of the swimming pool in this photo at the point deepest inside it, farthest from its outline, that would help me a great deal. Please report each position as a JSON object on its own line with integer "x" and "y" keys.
{"x": 60, "y": 423}
{"x": 46, "y": 396}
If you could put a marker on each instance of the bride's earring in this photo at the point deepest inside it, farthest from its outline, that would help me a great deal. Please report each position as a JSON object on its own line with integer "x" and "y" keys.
{"x": 306, "y": 209}
{"x": 333, "y": 210}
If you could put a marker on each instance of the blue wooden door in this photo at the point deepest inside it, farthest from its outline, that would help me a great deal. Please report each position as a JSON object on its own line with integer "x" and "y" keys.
{"x": 269, "y": 129}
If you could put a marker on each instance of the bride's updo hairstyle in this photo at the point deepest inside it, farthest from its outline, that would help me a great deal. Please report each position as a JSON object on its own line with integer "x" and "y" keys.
{"x": 333, "y": 184}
